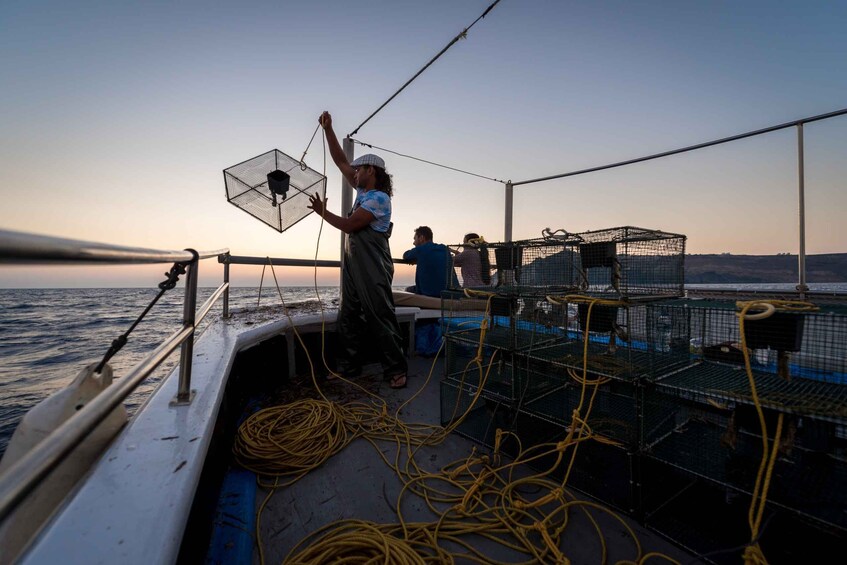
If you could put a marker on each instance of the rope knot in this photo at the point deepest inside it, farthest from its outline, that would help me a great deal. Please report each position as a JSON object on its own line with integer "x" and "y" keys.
{"x": 173, "y": 276}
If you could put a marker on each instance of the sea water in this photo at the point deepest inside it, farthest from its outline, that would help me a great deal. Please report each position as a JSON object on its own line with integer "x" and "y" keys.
{"x": 47, "y": 336}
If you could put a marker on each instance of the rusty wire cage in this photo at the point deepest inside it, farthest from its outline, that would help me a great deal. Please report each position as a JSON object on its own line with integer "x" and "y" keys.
{"x": 630, "y": 262}
{"x": 274, "y": 188}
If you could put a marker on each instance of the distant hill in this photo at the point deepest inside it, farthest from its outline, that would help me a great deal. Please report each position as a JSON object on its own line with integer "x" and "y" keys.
{"x": 708, "y": 269}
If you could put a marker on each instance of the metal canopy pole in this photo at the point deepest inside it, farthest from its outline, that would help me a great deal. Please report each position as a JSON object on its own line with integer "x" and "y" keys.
{"x": 510, "y": 195}
{"x": 346, "y": 205}
{"x": 801, "y": 257}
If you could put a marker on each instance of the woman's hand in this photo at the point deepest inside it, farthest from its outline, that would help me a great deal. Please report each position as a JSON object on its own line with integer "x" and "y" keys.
{"x": 318, "y": 205}
{"x": 325, "y": 120}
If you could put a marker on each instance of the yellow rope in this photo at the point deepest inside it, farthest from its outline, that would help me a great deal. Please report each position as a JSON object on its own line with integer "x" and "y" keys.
{"x": 764, "y": 309}
{"x": 474, "y": 496}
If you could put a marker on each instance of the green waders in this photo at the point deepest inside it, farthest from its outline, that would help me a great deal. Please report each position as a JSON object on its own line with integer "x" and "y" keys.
{"x": 367, "y": 305}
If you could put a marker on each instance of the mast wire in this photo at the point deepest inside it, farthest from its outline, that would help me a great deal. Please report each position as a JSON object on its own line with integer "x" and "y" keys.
{"x": 462, "y": 35}
{"x": 425, "y": 161}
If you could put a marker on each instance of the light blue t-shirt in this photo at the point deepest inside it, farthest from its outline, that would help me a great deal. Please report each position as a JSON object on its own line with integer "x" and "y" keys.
{"x": 377, "y": 203}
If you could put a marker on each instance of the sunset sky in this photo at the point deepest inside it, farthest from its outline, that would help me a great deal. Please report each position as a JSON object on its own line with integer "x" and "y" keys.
{"x": 117, "y": 119}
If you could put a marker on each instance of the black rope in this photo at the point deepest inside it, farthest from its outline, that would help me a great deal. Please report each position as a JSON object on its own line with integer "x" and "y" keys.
{"x": 164, "y": 286}
{"x": 461, "y": 35}
{"x": 427, "y": 162}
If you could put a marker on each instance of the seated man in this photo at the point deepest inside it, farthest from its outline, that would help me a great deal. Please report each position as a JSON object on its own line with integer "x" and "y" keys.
{"x": 435, "y": 265}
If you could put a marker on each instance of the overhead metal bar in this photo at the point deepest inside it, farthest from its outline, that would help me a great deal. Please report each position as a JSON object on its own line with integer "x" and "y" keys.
{"x": 690, "y": 148}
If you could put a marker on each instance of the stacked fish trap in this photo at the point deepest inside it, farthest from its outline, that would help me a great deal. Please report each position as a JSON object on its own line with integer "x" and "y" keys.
{"x": 512, "y": 315}
{"x": 706, "y": 420}
{"x": 488, "y": 330}
{"x": 536, "y": 313}
{"x": 614, "y": 340}
{"x": 630, "y": 263}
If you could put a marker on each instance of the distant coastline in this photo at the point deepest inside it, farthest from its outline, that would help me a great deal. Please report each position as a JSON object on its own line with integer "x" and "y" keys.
{"x": 752, "y": 269}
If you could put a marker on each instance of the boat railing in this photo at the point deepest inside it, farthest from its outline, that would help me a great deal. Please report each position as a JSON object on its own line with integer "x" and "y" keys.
{"x": 226, "y": 259}
{"x": 25, "y": 248}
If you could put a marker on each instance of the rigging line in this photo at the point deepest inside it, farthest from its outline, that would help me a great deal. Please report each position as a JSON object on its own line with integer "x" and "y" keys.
{"x": 425, "y": 161}
{"x": 691, "y": 147}
{"x": 302, "y": 163}
{"x": 461, "y": 35}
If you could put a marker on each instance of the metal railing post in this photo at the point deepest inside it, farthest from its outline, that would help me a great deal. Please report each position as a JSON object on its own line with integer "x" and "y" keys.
{"x": 189, "y": 311}
{"x": 510, "y": 195}
{"x": 226, "y": 280}
{"x": 801, "y": 256}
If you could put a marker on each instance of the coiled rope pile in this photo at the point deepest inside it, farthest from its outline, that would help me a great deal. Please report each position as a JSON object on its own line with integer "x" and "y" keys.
{"x": 479, "y": 496}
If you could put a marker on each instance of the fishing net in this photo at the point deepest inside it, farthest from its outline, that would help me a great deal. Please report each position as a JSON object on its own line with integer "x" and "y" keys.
{"x": 274, "y": 188}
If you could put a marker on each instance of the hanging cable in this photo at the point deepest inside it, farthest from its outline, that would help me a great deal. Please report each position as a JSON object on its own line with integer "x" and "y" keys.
{"x": 462, "y": 35}
{"x": 425, "y": 161}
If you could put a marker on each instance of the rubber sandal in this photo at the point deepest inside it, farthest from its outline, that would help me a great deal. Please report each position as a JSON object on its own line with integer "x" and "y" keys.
{"x": 395, "y": 381}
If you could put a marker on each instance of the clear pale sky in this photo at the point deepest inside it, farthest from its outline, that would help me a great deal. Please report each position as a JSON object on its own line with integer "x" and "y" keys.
{"x": 117, "y": 119}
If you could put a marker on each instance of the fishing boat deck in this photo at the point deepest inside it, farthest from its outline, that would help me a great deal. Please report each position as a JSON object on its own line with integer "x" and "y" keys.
{"x": 358, "y": 484}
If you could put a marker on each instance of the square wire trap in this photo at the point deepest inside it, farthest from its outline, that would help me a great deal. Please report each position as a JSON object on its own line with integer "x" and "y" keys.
{"x": 504, "y": 375}
{"x": 532, "y": 267}
{"x": 724, "y": 445}
{"x": 249, "y": 187}
{"x": 798, "y": 358}
{"x": 630, "y": 262}
{"x": 623, "y": 343}
{"x": 511, "y": 323}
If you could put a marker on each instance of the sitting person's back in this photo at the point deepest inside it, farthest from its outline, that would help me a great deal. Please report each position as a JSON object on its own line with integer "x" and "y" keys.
{"x": 474, "y": 267}
{"x": 434, "y": 264}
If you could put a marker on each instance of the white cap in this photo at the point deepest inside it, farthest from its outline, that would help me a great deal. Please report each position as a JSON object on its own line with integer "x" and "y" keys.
{"x": 369, "y": 159}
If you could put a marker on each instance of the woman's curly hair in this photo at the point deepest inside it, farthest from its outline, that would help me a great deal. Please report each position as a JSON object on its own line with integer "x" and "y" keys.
{"x": 383, "y": 181}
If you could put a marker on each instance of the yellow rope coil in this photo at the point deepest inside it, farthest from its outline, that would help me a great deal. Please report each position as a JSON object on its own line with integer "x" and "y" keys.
{"x": 468, "y": 497}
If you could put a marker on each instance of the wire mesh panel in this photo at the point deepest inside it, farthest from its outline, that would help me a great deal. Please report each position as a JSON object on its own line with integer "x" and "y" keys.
{"x": 798, "y": 359}
{"x": 532, "y": 267}
{"x": 503, "y": 374}
{"x": 506, "y": 322}
{"x": 630, "y": 262}
{"x": 622, "y": 343}
{"x": 723, "y": 443}
{"x": 274, "y": 188}
{"x": 474, "y": 416}
{"x": 609, "y": 408}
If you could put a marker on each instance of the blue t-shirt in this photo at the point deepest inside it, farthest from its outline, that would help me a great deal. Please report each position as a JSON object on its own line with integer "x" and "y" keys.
{"x": 435, "y": 268}
{"x": 377, "y": 203}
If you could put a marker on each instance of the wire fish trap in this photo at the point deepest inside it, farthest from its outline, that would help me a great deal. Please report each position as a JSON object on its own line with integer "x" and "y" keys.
{"x": 509, "y": 323}
{"x": 797, "y": 358}
{"x": 630, "y": 262}
{"x": 274, "y": 188}
{"x": 532, "y": 267}
{"x": 620, "y": 342}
